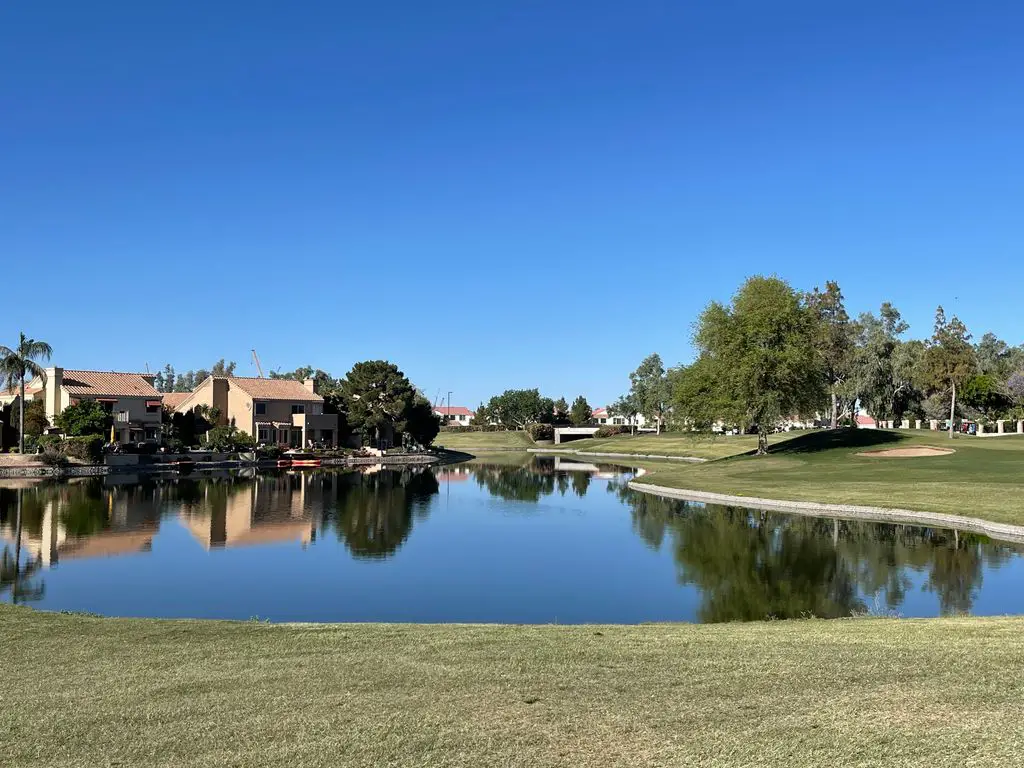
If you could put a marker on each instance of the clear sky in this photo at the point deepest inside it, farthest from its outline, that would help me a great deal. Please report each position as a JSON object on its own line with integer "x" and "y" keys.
{"x": 492, "y": 195}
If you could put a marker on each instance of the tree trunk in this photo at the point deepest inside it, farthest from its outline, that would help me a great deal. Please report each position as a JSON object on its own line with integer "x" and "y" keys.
{"x": 835, "y": 409}
{"x": 762, "y": 442}
{"x": 21, "y": 420}
{"x": 952, "y": 410}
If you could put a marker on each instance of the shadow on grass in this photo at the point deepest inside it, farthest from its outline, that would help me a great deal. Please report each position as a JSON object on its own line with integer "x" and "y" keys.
{"x": 828, "y": 439}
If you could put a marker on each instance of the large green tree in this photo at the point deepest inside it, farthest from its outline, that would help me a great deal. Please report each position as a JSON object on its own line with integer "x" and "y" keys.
{"x": 421, "y": 423}
{"x": 581, "y": 412}
{"x": 376, "y": 397}
{"x": 834, "y": 343}
{"x": 882, "y": 366}
{"x": 16, "y": 366}
{"x": 949, "y": 360}
{"x": 757, "y": 356}
{"x": 650, "y": 389}
{"x": 519, "y": 408}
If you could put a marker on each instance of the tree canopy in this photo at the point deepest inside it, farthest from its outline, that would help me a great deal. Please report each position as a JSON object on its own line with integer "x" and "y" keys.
{"x": 581, "y": 412}
{"x": 376, "y": 397}
{"x": 757, "y": 358}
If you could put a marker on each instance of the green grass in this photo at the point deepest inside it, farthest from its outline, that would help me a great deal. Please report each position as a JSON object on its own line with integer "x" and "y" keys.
{"x": 984, "y": 478}
{"x": 671, "y": 444}
{"x": 81, "y": 691}
{"x": 481, "y": 441}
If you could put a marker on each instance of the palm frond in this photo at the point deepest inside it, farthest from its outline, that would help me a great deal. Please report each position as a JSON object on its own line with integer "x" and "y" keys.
{"x": 36, "y": 350}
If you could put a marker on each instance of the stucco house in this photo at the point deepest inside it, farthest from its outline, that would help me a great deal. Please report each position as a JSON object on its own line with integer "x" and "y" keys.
{"x": 275, "y": 411}
{"x": 130, "y": 398}
{"x": 601, "y": 417}
{"x": 455, "y": 415}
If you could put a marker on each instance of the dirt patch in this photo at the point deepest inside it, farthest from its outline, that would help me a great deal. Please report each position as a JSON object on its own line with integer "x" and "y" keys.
{"x": 907, "y": 453}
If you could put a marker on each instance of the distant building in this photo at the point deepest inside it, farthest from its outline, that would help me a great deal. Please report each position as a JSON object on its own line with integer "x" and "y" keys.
{"x": 455, "y": 416}
{"x": 864, "y": 421}
{"x": 601, "y": 418}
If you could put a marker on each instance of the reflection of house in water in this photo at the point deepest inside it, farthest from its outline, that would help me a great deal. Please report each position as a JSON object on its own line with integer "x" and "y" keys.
{"x": 82, "y": 521}
{"x": 268, "y": 508}
{"x": 454, "y": 474}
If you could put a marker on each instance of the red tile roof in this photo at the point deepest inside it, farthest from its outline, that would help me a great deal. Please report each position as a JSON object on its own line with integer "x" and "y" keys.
{"x": 174, "y": 399}
{"x": 600, "y": 413}
{"x": 108, "y": 384}
{"x": 866, "y": 421}
{"x": 275, "y": 389}
{"x": 455, "y": 410}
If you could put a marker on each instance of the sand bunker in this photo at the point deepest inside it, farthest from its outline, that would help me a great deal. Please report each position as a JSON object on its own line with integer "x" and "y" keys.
{"x": 917, "y": 451}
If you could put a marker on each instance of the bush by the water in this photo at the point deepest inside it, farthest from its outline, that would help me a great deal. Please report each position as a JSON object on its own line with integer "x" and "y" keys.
{"x": 611, "y": 431}
{"x": 86, "y": 448}
{"x": 540, "y": 432}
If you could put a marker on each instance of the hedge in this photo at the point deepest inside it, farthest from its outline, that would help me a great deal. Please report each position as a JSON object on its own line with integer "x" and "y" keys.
{"x": 86, "y": 448}
{"x": 611, "y": 431}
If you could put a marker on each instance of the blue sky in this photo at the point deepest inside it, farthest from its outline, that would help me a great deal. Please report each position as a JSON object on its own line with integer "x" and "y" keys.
{"x": 495, "y": 195}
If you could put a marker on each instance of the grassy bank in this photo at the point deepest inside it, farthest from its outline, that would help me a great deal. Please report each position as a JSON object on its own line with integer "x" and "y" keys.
{"x": 672, "y": 444}
{"x": 482, "y": 441}
{"x": 85, "y": 692}
{"x": 984, "y": 478}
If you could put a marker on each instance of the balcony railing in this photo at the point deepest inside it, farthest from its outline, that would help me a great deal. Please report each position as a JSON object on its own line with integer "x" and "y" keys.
{"x": 121, "y": 417}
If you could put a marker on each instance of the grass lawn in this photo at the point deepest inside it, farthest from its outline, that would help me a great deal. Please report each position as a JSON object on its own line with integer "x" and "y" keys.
{"x": 482, "y": 441}
{"x": 80, "y": 691}
{"x": 671, "y": 444}
{"x": 984, "y": 478}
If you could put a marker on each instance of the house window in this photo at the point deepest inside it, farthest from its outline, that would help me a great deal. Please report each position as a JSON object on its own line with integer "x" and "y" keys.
{"x": 261, "y": 409}
{"x": 264, "y": 435}
{"x": 298, "y": 409}
{"x": 152, "y": 408}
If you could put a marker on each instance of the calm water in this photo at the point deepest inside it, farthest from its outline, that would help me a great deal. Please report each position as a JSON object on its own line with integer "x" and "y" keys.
{"x": 549, "y": 541}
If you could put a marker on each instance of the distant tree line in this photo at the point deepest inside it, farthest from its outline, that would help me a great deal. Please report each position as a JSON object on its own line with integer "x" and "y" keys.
{"x": 774, "y": 352}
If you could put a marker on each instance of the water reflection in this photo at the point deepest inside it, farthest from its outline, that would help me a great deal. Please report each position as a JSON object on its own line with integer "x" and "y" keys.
{"x": 751, "y": 564}
{"x": 492, "y": 547}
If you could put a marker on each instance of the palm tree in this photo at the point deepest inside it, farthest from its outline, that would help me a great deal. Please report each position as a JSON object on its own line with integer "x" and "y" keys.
{"x": 16, "y": 365}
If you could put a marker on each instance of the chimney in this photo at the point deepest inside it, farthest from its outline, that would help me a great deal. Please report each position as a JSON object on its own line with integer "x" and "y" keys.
{"x": 52, "y": 398}
{"x": 310, "y": 384}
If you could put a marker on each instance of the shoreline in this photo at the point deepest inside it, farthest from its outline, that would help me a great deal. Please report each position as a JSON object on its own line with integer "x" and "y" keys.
{"x": 1001, "y": 531}
{"x": 657, "y": 457}
{"x": 39, "y": 471}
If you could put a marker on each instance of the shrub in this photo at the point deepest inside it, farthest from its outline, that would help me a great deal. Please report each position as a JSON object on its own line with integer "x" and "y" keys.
{"x": 540, "y": 432}
{"x": 228, "y": 440}
{"x": 611, "y": 431}
{"x": 52, "y": 457}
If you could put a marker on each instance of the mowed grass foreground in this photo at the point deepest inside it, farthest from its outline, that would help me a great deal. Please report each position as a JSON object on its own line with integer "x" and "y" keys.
{"x": 81, "y": 691}
{"x": 984, "y": 478}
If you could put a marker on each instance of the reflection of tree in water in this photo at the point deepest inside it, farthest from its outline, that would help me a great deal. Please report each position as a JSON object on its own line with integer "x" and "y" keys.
{"x": 375, "y": 512}
{"x": 519, "y": 483}
{"x": 580, "y": 483}
{"x": 751, "y": 565}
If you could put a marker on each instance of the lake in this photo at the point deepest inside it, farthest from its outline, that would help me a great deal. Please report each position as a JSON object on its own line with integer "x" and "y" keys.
{"x": 527, "y": 540}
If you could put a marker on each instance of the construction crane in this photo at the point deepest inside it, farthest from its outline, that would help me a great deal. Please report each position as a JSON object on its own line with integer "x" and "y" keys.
{"x": 256, "y": 359}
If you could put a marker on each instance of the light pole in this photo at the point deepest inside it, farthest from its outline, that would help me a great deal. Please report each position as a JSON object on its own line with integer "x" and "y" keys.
{"x": 449, "y": 405}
